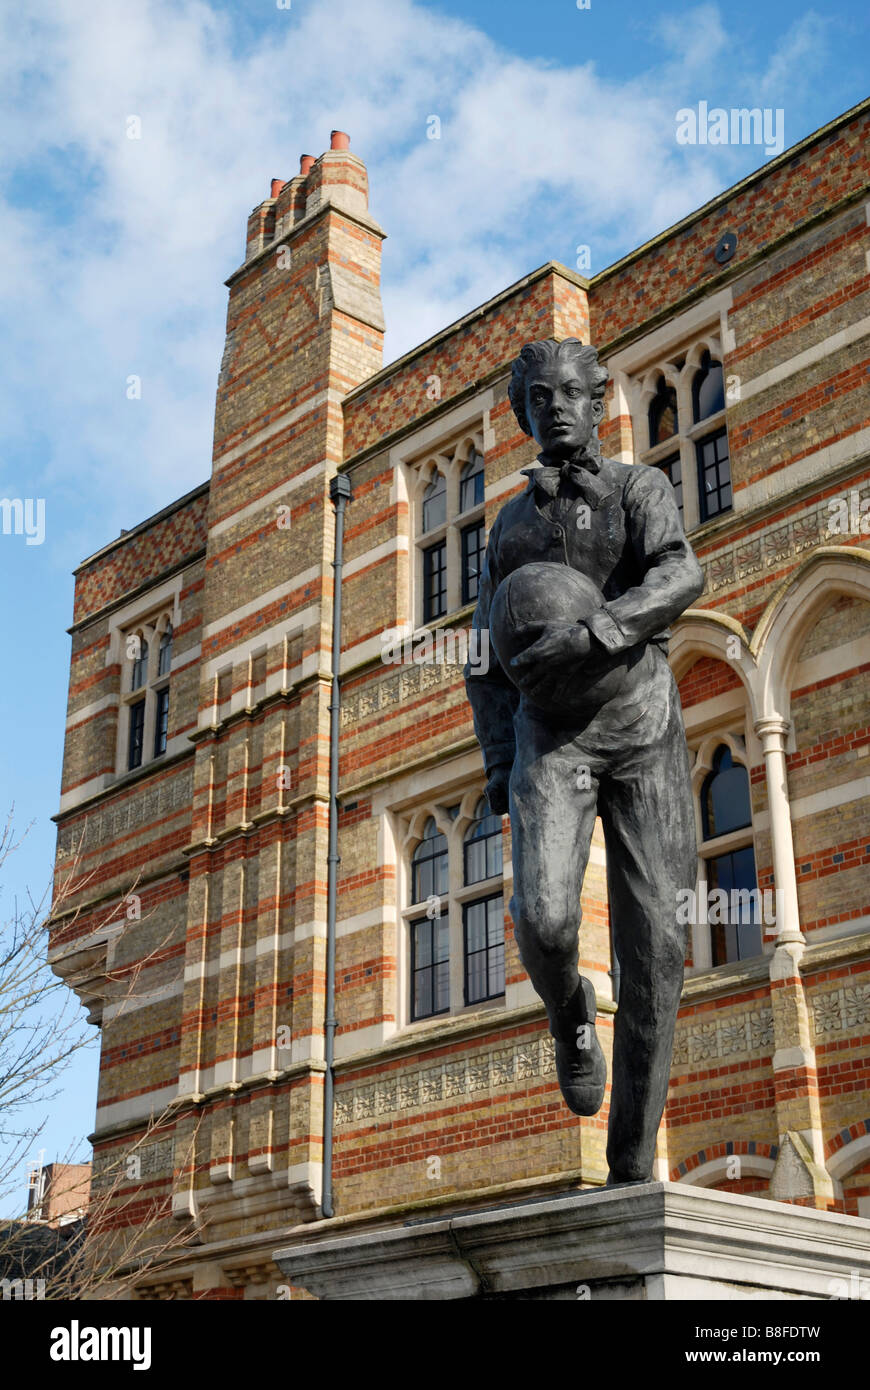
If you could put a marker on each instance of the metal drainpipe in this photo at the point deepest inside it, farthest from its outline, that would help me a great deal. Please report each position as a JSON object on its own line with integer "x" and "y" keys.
{"x": 340, "y": 492}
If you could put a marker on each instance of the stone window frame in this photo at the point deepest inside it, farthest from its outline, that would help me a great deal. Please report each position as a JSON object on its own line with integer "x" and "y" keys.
{"x": 410, "y": 827}
{"x": 679, "y": 367}
{"x": 701, "y": 756}
{"x": 148, "y": 630}
{"x": 448, "y": 457}
{"x": 148, "y": 618}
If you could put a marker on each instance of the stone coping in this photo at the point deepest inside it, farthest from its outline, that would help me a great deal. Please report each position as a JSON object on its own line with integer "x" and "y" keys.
{"x": 653, "y": 1240}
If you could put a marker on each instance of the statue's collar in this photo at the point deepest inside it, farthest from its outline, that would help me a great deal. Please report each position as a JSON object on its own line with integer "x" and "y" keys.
{"x": 583, "y": 468}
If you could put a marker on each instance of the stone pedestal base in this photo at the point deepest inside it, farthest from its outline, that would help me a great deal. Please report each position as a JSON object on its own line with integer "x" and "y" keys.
{"x": 655, "y": 1241}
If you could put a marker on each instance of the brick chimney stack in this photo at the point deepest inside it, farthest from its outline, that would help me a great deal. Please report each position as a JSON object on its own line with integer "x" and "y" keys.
{"x": 304, "y": 327}
{"x": 337, "y": 177}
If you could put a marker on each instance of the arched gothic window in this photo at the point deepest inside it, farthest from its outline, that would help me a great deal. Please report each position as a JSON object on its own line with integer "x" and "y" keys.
{"x": 471, "y": 482}
{"x": 708, "y": 389}
{"x": 729, "y": 860}
{"x": 139, "y": 668}
{"x": 482, "y": 845}
{"x": 457, "y": 950}
{"x": 435, "y": 503}
{"x": 164, "y": 660}
{"x": 144, "y": 717}
{"x": 429, "y": 864}
{"x": 725, "y": 804}
{"x": 663, "y": 418}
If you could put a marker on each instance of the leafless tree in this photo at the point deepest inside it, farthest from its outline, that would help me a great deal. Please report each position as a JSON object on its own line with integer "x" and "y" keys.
{"x": 123, "y": 1234}
{"x": 41, "y": 1027}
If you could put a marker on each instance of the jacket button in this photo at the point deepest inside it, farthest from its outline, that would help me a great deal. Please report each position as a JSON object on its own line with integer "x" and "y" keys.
{"x": 558, "y": 532}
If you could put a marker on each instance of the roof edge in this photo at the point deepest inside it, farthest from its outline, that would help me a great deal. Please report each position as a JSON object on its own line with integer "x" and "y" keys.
{"x": 549, "y": 267}
{"x": 729, "y": 193}
{"x": 143, "y": 526}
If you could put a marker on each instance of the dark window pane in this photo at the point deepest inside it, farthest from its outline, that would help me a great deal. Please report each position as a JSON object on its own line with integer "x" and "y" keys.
{"x": 429, "y": 868}
{"x": 430, "y": 967}
{"x": 672, "y": 470}
{"x": 714, "y": 475}
{"x": 483, "y": 924}
{"x": 483, "y": 846}
{"x": 136, "y": 735}
{"x": 434, "y": 581}
{"x": 663, "y": 417}
{"x": 423, "y": 945}
{"x": 473, "y": 550}
{"x": 725, "y": 801}
{"x": 435, "y": 503}
{"x": 495, "y": 963}
{"x": 475, "y": 924}
{"x": 471, "y": 483}
{"x": 164, "y": 656}
{"x": 422, "y": 1002}
{"x": 441, "y": 935}
{"x": 162, "y": 725}
{"x": 441, "y": 988}
{"x": 740, "y": 934}
{"x": 140, "y": 664}
{"x": 708, "y": 389}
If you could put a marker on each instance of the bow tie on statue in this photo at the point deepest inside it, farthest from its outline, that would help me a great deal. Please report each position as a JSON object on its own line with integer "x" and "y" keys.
{"x": 580, "y": 470}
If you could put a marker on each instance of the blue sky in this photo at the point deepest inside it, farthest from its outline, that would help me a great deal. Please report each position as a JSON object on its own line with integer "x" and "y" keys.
{"x": 557, "y": 129}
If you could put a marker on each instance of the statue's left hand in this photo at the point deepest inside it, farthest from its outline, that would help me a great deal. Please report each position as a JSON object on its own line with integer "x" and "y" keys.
{"x": 562, "y": 644}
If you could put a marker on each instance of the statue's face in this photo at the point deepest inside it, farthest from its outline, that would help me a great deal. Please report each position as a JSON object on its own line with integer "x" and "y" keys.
{"x": 559, "y": 408}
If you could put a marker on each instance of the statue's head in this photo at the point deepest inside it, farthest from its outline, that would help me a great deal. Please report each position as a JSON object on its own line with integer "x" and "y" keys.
{"x": 557, "y": 394}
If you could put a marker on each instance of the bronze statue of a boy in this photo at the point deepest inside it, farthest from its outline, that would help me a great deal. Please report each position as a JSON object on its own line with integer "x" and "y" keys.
{"x": 579, "y": 716}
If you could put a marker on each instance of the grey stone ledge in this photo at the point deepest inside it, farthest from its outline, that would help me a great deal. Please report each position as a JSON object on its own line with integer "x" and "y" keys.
{"x": 653, "y": 1241}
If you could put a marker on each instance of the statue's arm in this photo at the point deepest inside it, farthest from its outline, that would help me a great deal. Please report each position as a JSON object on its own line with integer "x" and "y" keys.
{"x": 672, "y": 577}
{"x": 492, "y": 696}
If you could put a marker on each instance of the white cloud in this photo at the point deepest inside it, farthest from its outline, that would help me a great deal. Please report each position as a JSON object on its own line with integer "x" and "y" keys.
{"x": 118, "y": 247}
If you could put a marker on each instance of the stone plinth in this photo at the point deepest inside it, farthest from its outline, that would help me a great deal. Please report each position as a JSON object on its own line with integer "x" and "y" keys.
{"x": 655, "y": 1241}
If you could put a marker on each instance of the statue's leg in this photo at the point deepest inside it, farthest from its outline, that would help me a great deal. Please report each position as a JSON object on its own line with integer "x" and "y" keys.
{"x": 552, "y": 809}
{"x": 649, "y": 831}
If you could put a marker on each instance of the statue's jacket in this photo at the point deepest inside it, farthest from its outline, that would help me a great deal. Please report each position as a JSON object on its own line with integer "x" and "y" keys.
{"x": 616, "y": 523}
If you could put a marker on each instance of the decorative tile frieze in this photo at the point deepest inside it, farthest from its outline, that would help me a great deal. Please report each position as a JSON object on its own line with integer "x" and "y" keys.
{"x": 140, "y": 1161}
{"x": 748, "y": 557}
{"x": 735, "y": 563}
{"x": 503, "y": 1066}
{"x": 735, "y": 1035}
{"x": 106, "y": 823}
{"x": 704, "y": 1042}
{"x": 827, "y": 1012}
{"x": 455, "y": 1079}
{"x": 402, "y": 683}
{"x": 422, "y": 1087}
{"x": 431, "y": 1085}
{"x": 840, "y": 1010}
{"x": 761, "y": 1030}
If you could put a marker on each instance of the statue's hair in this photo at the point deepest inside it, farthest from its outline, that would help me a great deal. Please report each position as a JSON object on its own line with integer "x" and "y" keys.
{"x": 533, "y": 354}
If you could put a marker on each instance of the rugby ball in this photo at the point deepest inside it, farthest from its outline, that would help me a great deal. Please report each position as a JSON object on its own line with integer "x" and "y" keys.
{"x": 529, "y": 599}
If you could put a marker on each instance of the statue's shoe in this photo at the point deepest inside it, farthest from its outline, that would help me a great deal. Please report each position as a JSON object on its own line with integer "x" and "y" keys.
{"x": 580, "y": 1064}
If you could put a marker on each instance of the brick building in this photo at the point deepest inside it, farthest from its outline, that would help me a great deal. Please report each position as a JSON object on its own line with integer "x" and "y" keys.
{"x": 195, "y": 802}
{"x": 57, "y": 1193}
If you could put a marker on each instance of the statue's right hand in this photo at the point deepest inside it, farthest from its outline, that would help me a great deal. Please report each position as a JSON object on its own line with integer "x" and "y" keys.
{"x": 497, "y": 790}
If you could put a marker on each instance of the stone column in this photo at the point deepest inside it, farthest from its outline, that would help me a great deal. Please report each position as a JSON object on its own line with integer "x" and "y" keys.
{"x": 773, "y": 732}
{"x": 800, "y": 1173}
